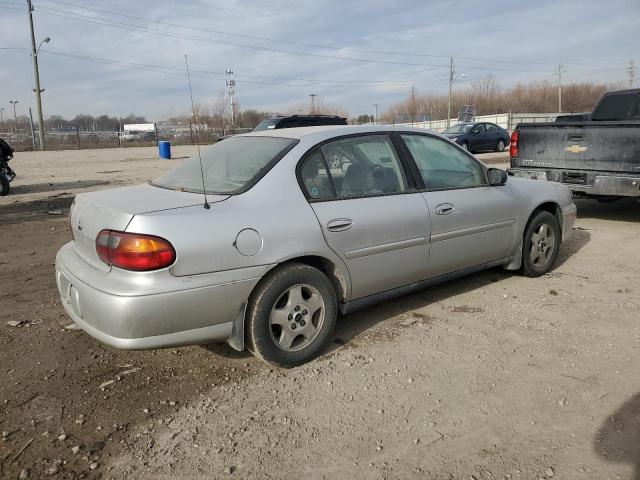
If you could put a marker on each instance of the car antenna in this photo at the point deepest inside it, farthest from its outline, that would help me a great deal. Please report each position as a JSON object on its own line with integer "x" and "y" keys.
{"x": 195, "y": 119}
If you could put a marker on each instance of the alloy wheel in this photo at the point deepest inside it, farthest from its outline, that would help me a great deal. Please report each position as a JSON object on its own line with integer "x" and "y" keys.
{"x": 541, "y": 245}
{"x": 297, "y": 317}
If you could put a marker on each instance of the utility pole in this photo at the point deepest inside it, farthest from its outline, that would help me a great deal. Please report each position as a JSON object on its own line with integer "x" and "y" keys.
{"x": 313, "y": 102}
{"x": 15, "y": 115}
{"x": 451, "y": 72}
{"x": 375, "y": 116}
{"x": 559, "y": 73}
{"x": 36, "y": 75}
{"x": 631, "y": 71}
{"x": 231, "y": 84}
{"x": 1, "y": 117}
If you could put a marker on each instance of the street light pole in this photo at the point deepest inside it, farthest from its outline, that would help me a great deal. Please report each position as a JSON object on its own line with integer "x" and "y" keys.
{"x": 15, "y": 115}
{"x": 36, "y": 75}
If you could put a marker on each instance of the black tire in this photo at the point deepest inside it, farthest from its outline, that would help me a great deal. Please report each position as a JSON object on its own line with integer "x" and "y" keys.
{"x": 261, "y": 333}
{"x": 465, "y": 145}
{"x": 534, "y": 244}
{"x": 5, "y": 186}
{"x": 500, "y": 145}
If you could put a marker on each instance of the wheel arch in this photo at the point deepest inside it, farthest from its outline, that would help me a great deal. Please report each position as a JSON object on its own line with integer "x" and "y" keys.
{"x": 548, "y": 206}
{"x": 338, "y": 277}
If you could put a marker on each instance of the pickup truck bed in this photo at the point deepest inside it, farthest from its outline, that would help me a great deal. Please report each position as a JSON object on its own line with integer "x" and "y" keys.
{"x": 593, "y": 158}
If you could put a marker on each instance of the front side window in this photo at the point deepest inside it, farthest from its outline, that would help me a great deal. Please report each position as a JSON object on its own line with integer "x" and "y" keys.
{"x": 478, "y": 128}
{"x": 229, "y": 166}
{"x": 442, "y": 165}
{"x": 364, "y": 165}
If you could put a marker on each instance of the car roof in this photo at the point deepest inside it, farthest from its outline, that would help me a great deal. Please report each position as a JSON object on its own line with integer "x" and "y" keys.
{"x": 326, "y": 132}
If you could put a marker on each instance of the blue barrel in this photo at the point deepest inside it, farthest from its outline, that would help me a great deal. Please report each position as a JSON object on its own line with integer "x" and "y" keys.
{"x": 164, "y": 149}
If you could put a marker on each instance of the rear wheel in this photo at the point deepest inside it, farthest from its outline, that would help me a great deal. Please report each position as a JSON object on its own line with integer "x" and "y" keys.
{"x": 541, "y": 244}
{"x": 500, "y": 146}
{"x": 291, "y": 315}
{"x": 4, "y": 185}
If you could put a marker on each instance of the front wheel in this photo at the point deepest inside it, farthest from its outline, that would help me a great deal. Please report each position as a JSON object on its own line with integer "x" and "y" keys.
{"x": 291, "y": 315}
{"x": 4, "y": 185}
{"x": 465, "y": 145}
{"x": 500, "y": 146}
{"x": 541, "y": 244}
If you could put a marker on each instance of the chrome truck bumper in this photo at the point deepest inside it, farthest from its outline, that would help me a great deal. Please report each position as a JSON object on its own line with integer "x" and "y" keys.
{"x": 591, "y": 183}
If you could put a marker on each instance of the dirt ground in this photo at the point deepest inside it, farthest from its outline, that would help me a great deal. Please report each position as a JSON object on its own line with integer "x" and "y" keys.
{"x": 491, "y": 376}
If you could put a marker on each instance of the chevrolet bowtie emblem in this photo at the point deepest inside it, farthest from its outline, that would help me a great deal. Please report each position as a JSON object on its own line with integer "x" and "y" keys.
{"x": 575, "y": 149}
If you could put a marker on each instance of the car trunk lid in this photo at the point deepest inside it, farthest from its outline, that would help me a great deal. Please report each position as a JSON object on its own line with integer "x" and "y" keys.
{"x": 113, "y": 209}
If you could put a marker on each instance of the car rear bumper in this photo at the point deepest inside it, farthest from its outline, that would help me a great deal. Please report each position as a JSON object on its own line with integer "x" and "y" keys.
{"x": 203, "y": 314}
{"x": 591, "y": 183}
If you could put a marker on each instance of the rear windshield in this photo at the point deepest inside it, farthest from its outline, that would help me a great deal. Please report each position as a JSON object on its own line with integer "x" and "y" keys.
{"x": 618, "y": 108}
{"x": 229, "y": 166}
{"x": 267, "y": 124}
{"x": 460, "y": 128}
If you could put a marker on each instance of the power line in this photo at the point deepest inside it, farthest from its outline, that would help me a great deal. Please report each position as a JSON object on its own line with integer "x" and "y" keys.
{"x": 126, "y": 26}
{"x": 195, "y": 73}
{"x": 303, "y": 44}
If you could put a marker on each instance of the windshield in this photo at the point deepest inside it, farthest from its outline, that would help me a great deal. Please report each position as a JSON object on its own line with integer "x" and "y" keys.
{"x": 267, "y": 124}
{"x": 229, "y": 166}
{"x": 460, "y": 128}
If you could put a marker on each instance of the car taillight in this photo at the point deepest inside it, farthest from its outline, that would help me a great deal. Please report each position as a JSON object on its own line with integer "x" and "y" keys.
{"x": 134, "y": 251}
{"x": 513, "y": 148}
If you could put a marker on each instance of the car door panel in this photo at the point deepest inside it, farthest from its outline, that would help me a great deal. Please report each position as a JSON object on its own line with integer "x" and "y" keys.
{"x": 386, "y": 245}
{"x": 471, "y": 223}
{"x": 480, "y": 228}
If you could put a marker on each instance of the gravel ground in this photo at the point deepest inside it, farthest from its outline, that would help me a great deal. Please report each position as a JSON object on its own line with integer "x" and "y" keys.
{"x": 491, "y": 376}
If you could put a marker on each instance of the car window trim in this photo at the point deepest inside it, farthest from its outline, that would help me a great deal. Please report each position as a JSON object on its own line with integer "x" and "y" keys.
{"x": 411, "y": 187}
{"x": 455, "y": 145}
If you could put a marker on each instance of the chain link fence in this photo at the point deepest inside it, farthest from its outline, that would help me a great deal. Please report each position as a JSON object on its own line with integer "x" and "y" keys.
{"x": 22, "y": 140}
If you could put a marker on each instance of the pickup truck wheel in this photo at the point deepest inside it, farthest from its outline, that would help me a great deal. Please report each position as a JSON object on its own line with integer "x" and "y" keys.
{"x": 541, "y": 244}
{"x": 500, "y": 146}
{"x": 291, "y": 315}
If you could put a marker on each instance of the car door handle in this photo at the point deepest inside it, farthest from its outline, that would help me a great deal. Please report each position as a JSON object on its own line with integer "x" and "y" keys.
{"x": 339, "y": 224}
{"x": 445, "y": 209}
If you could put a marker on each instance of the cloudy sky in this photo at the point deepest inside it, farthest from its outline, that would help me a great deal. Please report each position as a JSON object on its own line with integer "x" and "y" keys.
{"x": 120, "y": 56}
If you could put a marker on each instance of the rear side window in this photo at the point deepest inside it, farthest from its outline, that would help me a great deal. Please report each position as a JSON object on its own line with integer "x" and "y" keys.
{"x": 443, "y": 166}
{"x": 491, "y": 127}
{"x": 353, "y": 167}
{"x": 315, "y": 177}
{"x": 618, "y": 108}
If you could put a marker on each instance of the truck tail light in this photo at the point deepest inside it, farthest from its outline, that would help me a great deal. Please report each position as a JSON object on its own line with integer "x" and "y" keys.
{"x": 134, "y": 251}
{"x": 513, "y": 148}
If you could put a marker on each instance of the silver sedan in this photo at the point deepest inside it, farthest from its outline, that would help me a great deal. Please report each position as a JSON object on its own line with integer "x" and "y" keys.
{"x": 263, "y": 238}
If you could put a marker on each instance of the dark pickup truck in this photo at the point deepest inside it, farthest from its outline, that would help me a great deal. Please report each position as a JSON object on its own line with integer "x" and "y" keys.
{"x": 595, "y": 158}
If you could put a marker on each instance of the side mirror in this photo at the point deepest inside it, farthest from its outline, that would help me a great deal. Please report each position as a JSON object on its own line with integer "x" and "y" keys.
{"x": 497, "y": 176}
